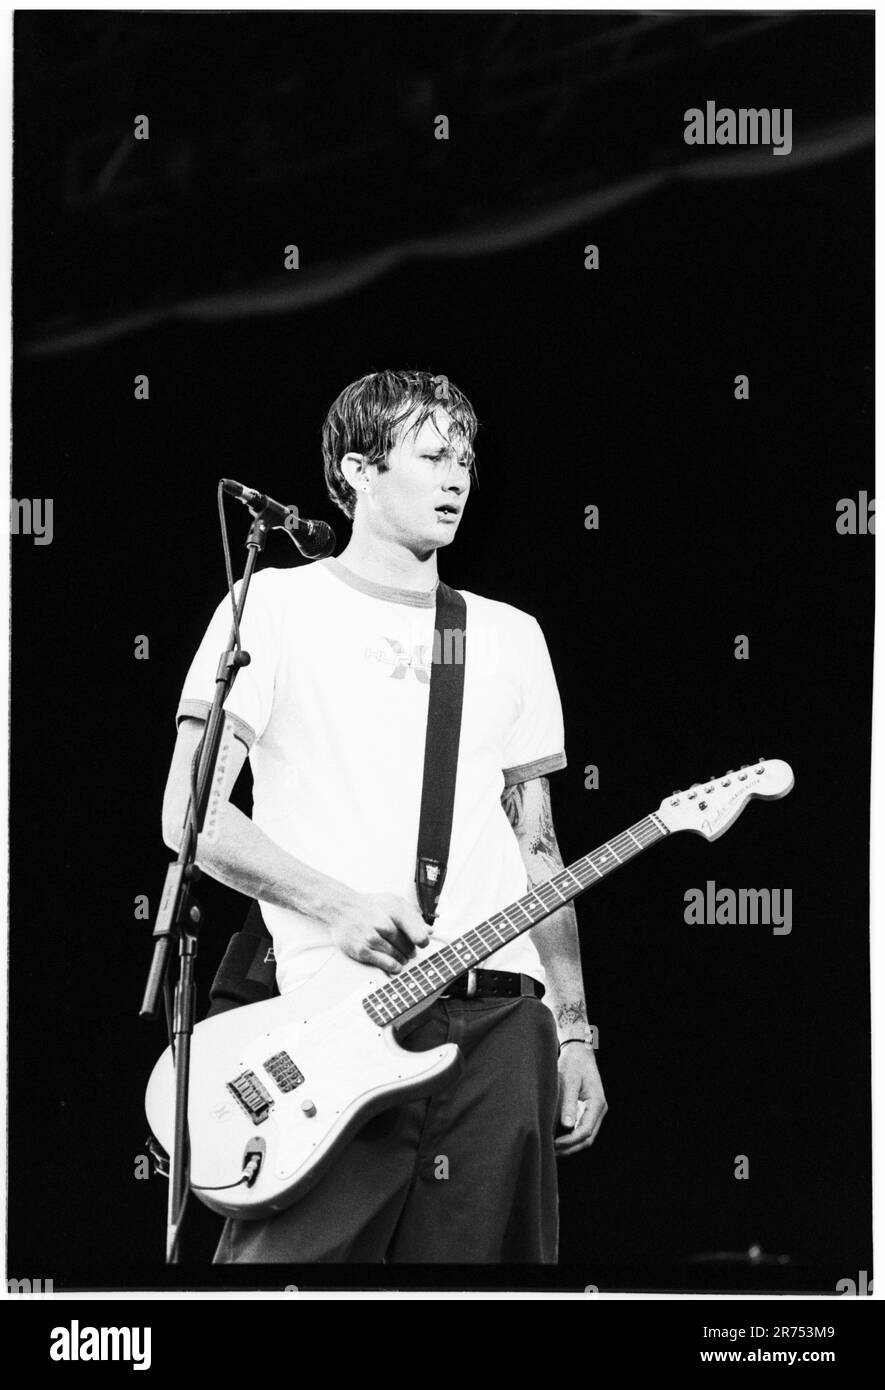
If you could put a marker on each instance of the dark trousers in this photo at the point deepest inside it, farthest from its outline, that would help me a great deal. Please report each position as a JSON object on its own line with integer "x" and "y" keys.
{"x": 466, "y": 1176}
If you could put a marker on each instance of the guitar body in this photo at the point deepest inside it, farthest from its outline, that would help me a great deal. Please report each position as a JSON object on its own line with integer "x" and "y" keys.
{"x": 331, "y": 1068}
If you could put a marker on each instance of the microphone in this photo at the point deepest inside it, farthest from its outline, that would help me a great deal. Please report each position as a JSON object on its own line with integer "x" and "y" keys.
{"x": 314, "y": 539}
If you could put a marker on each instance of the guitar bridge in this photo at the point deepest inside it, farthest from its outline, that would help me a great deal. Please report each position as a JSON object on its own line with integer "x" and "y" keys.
{"x": 248, "y": 1091}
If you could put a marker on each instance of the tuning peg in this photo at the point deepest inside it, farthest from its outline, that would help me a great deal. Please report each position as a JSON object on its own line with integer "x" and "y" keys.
{"x": 760, "y": 760}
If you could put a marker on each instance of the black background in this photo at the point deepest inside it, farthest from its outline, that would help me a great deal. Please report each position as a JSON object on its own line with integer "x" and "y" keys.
{"x": 614, "y": 388}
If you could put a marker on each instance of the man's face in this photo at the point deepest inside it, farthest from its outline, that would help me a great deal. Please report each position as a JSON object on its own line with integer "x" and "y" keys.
{"x": 420, "y": 499}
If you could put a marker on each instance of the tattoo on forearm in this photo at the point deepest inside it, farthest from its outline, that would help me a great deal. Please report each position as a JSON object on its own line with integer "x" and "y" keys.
{"x": 513, "y": 801}
{"x": 567, "y": 1014}
{"x": 544, "y": 839}
{"x": 527, "y": 805}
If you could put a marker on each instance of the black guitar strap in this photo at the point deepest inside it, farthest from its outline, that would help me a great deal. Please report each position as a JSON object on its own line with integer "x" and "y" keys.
{"x": 441, "y": 748}
{"x": 247, "y": 974}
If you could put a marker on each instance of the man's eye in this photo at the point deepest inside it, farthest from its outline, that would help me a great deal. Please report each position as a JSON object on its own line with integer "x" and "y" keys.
{"x": 448, "y": 459}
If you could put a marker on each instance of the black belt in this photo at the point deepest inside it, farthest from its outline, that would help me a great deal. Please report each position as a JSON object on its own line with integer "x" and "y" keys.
{"x": 494, "y": 984}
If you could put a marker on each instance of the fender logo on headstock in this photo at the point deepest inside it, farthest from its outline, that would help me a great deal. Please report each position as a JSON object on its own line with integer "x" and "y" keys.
{"x": 710, "y": 808}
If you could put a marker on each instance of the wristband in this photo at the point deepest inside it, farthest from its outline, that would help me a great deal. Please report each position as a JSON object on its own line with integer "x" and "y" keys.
{"x": 589, "y": 1039}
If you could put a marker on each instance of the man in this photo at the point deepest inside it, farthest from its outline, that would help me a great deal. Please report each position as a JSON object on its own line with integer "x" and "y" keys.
{"x": 332, "y": 711}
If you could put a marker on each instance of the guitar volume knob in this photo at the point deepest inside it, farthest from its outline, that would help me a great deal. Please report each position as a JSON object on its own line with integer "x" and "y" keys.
{"x": 309, "y": 1108}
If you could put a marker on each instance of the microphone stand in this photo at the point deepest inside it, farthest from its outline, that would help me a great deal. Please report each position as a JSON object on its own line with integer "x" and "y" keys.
{"x": 180, "y": 915}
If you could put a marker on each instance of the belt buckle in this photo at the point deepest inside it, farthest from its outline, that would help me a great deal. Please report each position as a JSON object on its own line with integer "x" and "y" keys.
{"x": 471, "y": 983}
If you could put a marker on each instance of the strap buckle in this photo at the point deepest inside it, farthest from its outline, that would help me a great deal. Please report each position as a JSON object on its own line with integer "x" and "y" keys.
{"x": 430, "y": 876}
{"x": 471, "y": 983}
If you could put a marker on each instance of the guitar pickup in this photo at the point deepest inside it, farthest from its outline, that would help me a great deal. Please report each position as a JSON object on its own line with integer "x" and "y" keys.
{"x": 284, "y": 1071}
{"x": 248, "y": 1091}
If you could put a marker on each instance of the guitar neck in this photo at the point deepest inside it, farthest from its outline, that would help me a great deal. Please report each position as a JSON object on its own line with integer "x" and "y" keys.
{"x": 412, "y": 986}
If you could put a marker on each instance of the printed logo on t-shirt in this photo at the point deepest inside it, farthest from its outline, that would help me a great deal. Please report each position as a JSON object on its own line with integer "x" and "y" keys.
{"x": 398, "y": 656}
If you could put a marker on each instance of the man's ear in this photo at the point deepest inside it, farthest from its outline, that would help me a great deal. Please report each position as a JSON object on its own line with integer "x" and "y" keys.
{"x": 355, "y": 470}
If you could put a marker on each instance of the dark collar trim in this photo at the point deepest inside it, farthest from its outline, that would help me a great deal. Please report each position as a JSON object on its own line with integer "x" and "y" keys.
{"x": 413, "y": 597}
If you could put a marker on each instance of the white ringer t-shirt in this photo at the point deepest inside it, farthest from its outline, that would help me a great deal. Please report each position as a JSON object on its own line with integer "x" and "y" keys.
{"x": 333, "y": 710}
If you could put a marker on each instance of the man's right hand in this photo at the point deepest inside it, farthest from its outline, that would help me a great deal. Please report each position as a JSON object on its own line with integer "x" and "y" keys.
{"x": 378, "y": 929}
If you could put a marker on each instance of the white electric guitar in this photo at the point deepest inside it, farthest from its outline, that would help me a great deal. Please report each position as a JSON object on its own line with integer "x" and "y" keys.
{"x": 277, "y": 1089}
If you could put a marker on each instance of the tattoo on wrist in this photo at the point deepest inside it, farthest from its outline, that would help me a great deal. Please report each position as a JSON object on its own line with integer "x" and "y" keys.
{"x": 568, "y": 1014}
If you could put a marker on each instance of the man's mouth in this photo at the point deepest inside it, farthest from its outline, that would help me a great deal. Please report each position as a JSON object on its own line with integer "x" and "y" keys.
{"x": 447, "y": 512}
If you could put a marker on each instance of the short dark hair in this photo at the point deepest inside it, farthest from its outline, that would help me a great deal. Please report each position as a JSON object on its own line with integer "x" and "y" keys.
{"x": 365, "y": 417}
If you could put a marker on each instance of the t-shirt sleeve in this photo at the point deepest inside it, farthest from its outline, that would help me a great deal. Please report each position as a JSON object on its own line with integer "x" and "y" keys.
{"x": 536, "y": 743}
{"x": 249, "y": 704}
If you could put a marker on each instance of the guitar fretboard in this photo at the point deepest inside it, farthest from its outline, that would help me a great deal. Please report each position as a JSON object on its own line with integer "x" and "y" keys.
{"x": 412, "y": 986}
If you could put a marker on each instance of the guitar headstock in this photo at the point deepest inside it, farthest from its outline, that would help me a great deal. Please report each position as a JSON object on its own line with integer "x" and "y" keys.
{"x": 709, "y": 808}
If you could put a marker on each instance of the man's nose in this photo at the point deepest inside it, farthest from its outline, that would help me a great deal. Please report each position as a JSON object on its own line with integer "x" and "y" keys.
{"x": 457, "y": 484}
